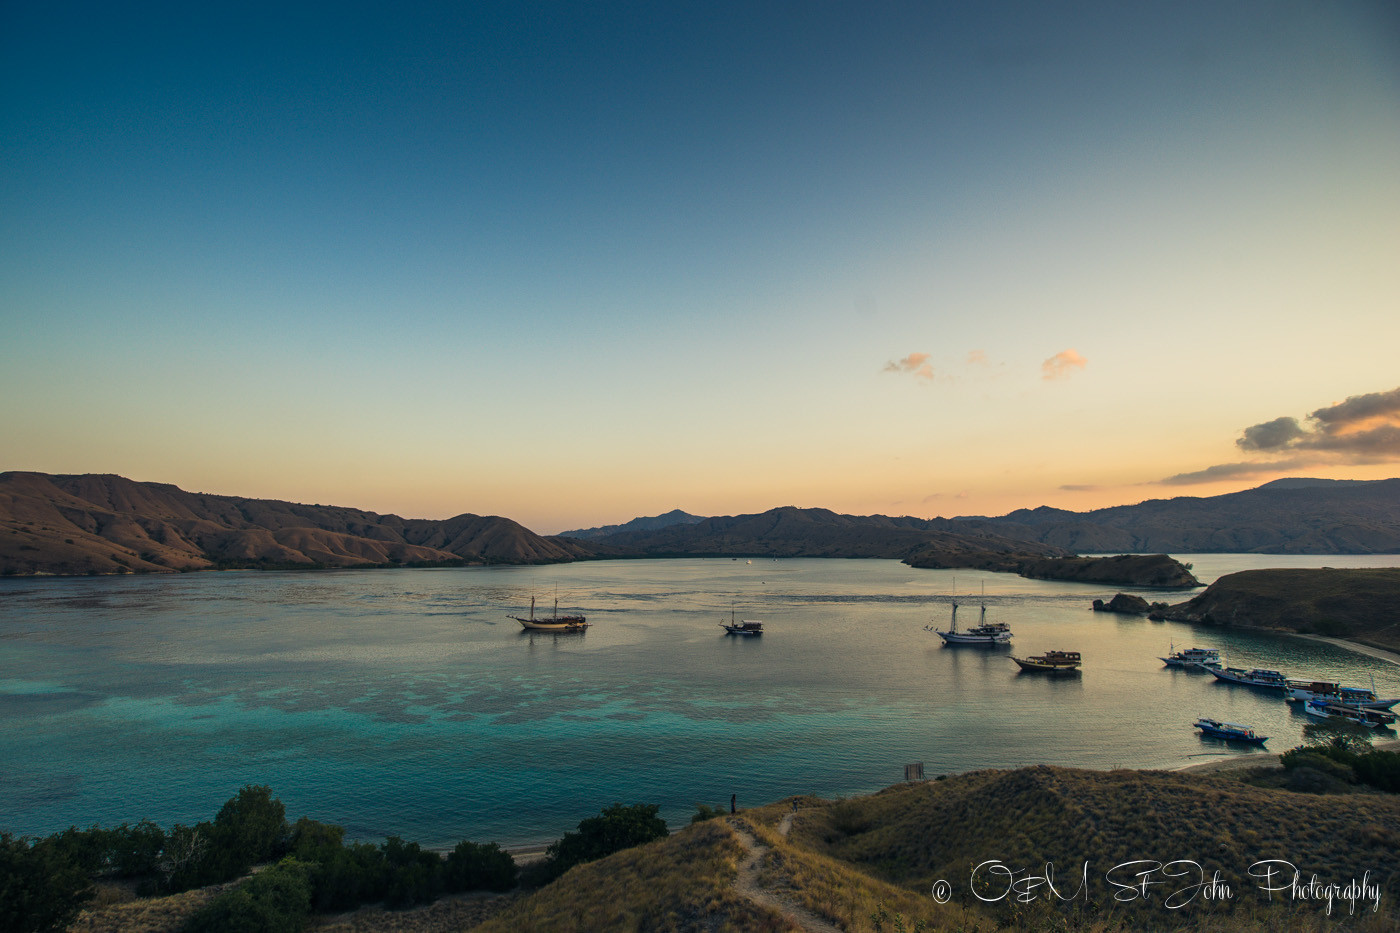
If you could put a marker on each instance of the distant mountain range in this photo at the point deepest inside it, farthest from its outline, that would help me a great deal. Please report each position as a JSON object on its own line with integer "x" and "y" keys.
{"x": 108, "y": 524}
{"x": 1287, "y": 516}
{"x": 673, "y": 517}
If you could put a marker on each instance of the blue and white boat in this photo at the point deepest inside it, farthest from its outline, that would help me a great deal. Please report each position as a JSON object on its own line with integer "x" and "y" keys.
{"x": 1229, "y": 731}
{"x": 1192, "y": 658}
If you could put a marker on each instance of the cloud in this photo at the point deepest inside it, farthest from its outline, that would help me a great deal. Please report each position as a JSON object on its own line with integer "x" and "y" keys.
{"x": 1363, "y": 426}
{"x": 916, "y": 363}
{"x": 1062, "y": 364}
{"x": 977, "y": 357}
{"x": 1362, "y": 429}
{"x": 1080, "y": 487}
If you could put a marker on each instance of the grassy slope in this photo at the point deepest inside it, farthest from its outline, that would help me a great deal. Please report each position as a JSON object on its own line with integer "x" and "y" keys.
{"x": 1356, "y": 604}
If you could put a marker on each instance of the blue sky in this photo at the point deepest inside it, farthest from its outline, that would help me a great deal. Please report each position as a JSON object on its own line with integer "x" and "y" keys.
{"x": 574, "y": 263}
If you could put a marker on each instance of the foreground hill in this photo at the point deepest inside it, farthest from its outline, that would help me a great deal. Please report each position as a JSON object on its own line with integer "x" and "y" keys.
{"x": 1359, "y": 605}
{"x": 109, "y": 524}
{"x": 1288, "y": 516}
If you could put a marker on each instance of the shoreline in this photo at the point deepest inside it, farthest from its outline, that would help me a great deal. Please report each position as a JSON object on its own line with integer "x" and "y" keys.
{"x": 1356, "y": 646}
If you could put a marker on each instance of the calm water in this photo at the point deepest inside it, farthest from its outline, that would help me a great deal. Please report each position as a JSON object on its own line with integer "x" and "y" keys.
{"x": 405, "y": 702}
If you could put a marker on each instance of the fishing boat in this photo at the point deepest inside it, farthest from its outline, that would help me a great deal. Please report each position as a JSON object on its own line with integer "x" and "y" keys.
{"x": 1192, "y": 658}
{"x": 983, "y": 633}
{"x": 1229, "y": 731}
{"x": 744, "y": 627}
{"x": 553, "y": 623}
{"x": 1258, "y": 677}
{"x": 1051, "y": 662}
{"x": 1370, "y": 718}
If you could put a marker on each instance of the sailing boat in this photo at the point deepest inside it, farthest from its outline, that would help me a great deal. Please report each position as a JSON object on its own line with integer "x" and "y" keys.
{"x": 983, "y": 633}
{"x": 554, "y": 623}
{"x": 746, "y": 627}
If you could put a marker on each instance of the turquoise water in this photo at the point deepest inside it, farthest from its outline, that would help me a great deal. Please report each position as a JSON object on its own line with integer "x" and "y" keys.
{"x": 406, "y": 702}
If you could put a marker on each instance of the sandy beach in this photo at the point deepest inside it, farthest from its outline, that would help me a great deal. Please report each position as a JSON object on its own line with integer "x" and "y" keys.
{"x": 1367, "y": 650}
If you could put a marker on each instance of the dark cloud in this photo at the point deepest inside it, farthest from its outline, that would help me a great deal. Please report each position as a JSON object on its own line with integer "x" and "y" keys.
{"x": 1363, "y": 429}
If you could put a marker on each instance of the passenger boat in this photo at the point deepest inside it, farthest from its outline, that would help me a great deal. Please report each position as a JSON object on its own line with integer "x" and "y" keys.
{"x": 1370, "y": 718}
{"x": 554, "y": 623}
{"x": 1230, "y": 731}
{"x": 1192, "y": 657}
{"x": 1051, "y": 662}
{"x": 746, "y": 627}
{"x": 1357, "y": 697}
{"x": 1258, "y": 677}
{"x": 983, "y": 633}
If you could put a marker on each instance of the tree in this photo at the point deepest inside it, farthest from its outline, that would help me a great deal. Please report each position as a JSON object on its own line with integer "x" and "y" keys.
{"x": 616, "y": 828}
{"x": 473, "y": 867}
{"x": 40, "y": 888}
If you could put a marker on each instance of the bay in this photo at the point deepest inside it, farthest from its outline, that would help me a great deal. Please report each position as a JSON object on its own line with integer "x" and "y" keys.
{"x": 406, "y": 702}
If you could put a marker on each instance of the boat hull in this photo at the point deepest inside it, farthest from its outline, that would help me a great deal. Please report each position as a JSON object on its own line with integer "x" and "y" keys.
{"x": 963, "y": 638}
{"x": 1229, "y": 731}
{"x": 541, "y": 625}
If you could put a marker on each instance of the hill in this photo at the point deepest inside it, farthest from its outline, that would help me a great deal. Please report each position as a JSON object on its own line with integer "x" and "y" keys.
{"x": 1288, "y": 516}
{"x": 673, "y": 517}
{"x": 1358, "y": 605}
{"x": 109, "y": 524}
{"x": 794, "y": 532}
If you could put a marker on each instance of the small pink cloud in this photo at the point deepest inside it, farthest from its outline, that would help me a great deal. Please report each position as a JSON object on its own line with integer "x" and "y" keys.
{"x": 916, "y": 363}
{"x": 977, "y": 357}
{"x": 1062, "y": 364}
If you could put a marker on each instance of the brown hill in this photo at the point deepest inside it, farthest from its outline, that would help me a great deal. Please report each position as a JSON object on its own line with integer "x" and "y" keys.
{"x": 1355, "y": 604}
{"x": 108, "y": 524}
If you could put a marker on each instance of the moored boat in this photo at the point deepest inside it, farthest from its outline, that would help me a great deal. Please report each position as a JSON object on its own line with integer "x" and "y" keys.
{"x": 1338, "y": 712}
{"x": 744, "y": 627}
{"x": 983, "y": 633}
{"x": 1051, "y": 662}
{"x": 1230, "y": 731}
{"x": 1328, "y": 692}
{"x": 1192, "y": 658}
{"x": 554, "y": 623}
{"x": 1258, "y": 677}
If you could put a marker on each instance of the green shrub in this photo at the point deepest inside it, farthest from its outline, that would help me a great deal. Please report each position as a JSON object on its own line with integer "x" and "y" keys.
{"x": 616, "y": 828}
{"x": 276, "y": 900}
{"x": 134, "y": 851}
{"x": 473, "y": 867}
{"x": 1380, "y": 769}
{"x": 413, "y": 875}
{"x": 703, "y": 813}
{"x": 41, "y": 887}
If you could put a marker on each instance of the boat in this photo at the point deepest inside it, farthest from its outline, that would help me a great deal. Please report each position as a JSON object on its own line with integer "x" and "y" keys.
{"x": 1370, "y": 718}
{"x": 983, "y": 633}
{"x": 1355, "y": 697}
{"x": 554, "y": 623}
{"x": 1258, "y": 677}
{"x": 745, "y": 627}
{"x": 1230, "y": 731}
{"x": 1192, "y": 658}
{"x": 1051, "y": 662}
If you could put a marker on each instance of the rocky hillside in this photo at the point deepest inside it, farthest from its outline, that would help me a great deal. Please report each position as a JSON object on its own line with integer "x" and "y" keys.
{"x": 1359, "y": 605}
{"x": 1146, "y": 570}
{"x": 1291, "y": 516}
{"x": 651, "y": 523}
{"x": 108, "y": 524}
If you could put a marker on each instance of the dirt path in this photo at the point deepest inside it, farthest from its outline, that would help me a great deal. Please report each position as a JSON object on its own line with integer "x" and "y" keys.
{"x": 747, "y": 883}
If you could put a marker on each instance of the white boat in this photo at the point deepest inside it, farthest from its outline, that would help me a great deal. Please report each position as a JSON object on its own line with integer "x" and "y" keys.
{"x": 983, "y": 633}
{"x": 744, "y": 627}
{"x": 1051, "y": 662}
{"x": 1370, "y": 718}
{"x": 1258, "y": 677}
{"x": 1192, "y": 657}
{"x": 554, "y": 623}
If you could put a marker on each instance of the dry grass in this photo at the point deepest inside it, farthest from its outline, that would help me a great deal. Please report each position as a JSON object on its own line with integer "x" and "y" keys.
{"x": 445, "y": 915}
{"x": 681, "y": 883}
{"x": 117, "y": 910}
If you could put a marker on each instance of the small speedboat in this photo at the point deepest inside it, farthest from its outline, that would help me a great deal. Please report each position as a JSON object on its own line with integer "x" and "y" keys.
{"x": 1229, "y": 731}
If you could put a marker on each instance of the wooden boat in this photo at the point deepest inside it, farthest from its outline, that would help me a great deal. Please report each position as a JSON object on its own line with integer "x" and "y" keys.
{"x": 1370, "y": 718}
{"x": 1356, "y": 697}
{"x": 983, "y": 633}
{"x": 1051, "y": 662}
{"x": 1229, "y": 731}
{"x": 554, "y": 623}
{"x": 746, "y": 627}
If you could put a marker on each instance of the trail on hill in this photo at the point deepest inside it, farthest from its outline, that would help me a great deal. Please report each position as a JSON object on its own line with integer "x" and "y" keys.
{"x": 747, "y": 883}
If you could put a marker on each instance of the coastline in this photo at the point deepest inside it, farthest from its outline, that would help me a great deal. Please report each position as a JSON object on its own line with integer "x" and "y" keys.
{"x": 1258, "y": 760}
{"x": 1378, "y": 653}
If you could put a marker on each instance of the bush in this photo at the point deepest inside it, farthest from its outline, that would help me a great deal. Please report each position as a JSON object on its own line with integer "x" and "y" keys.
{"x": 41, "y": 888}
{"x": 277, "y": 900}
{"x": 1380, "y": 769}
{"x": 413, "y": 875}
{"x": 134, "y": 851}
{"x": 346, "y": 877}
{"x": 616, "y": 828}
{"x": 703, "y": 813}
{"x": 249, "y": 829}
{"x": 473, "y": 867}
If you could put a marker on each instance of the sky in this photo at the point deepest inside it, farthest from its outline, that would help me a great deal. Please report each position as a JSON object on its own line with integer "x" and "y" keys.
{"x": 575, "y": 263}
